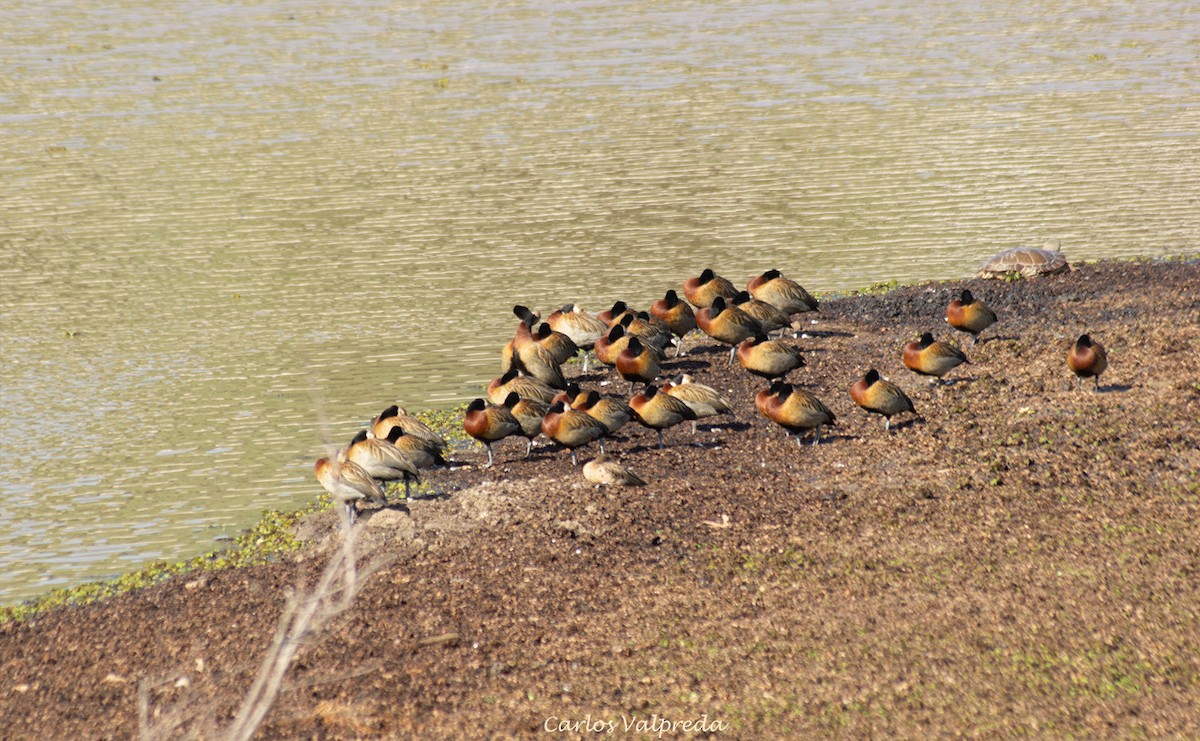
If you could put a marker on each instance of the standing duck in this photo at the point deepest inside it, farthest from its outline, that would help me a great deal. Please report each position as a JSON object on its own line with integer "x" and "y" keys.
{"x": 794, "y": 409}
{"x": 783, "y": 293}
{"x": 768, "y": 315}
{"x": 614, "y": 314}
{"x": 968, "y": 314}
{"x": 397, "y": 416}
{"x": 489, "y": 424}
{"x": 347, "y": 483}
{"x": 677, "y": 315}
{"x": 701, "y": 291}
{"x": 572, "y": 428}
{"x": 382, "y": 460}
{"x": 613, "y": 414}
{"x": 727, "y": 324}
{"x": 528, "y": 387}
{"x": 636, "y": 363}
{"x": 931, "y": 358}
{"x": 1087, "y": 359}
{"x": 529, "y": 414}
{"x": 583, "y": 328}
{"x": 769, "y": 359}
{"x": 705, "y": 401}
{"x": 562, "y": 348}
{"x": 876, "y": 395}
{"x": 658, "y": 411}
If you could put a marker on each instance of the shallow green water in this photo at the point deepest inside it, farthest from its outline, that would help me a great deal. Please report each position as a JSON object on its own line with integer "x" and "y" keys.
{"x": 226, "y": 230}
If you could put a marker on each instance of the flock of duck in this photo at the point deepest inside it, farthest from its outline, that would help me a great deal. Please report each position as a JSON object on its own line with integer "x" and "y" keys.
{"x": 532, "y": 397}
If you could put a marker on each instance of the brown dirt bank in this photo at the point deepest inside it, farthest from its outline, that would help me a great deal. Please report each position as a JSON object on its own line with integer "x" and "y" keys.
{"x": 1025, "y": 559}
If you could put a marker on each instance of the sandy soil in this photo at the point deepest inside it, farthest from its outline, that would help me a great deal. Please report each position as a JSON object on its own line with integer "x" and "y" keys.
{"x": 1024, "y": 558}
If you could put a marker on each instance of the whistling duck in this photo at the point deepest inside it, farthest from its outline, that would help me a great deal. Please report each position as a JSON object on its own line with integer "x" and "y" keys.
{"x": 381, "y": 459}
{"x": 727, "y": 324}
{"x": 347, "y": 483}
{"x": 488, "y": 424}
{"x": 613, "y": 414}
{"x": 583, "y": 328}
{"x": 572, "y": 428}
{"x": 879, "y": 396}
{"x": 968, "y": 314}
{"x": 608, "y": 347}
{"x": 528, "y": 387}
{"x": 396, "y": 416}
{"x": 783, "y": 293}
{"x": 618, "y": 311}
{"x": 794, "y": 409}
{"x": 769, "y": 316}
{"x": 677, "y": 315}
{"x": 607, "y": 472}
{"x": 636, "y": 363}
{"x": 701, "y": 291}
{"x": 931, "y": 358}
{"x": 769, "y": 358}
{"x": 529, "y": 413}
{"x": 704, "y": 400}
{"x": 658, "y": 411}
{"x": 1087, "y": 359}
{"x": 562, "y": 348}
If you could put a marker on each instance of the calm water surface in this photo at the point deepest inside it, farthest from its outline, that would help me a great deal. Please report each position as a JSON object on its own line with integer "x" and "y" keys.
{"x": 226, "y": 228}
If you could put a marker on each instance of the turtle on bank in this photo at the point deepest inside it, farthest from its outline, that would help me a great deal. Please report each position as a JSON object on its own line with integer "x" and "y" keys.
{"x": 1030, "y": 262}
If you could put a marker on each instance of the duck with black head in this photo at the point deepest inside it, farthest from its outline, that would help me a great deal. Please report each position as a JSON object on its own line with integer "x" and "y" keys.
{"x": 1087, "y": 359}
{"x": 930, "y": 357}
{"x": 490, "y": 423}
{"x": 704, "y": 288}
{"x": 879, "y": 396}
{"x": 969, "y": 314}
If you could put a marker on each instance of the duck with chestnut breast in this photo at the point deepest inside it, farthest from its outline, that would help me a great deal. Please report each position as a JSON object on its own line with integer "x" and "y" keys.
{"x": 704, "y": 400}
{"x": 606, "y": 471}
{"x": 530, "y": 413}
{"x": 572, "y": 428}
{"x": 397, "y": 416}
{"x": 636, "y": 363}
{"x": 795, "y": 410}
{"x": 583, "y": 328}
{"x": 614, "y": 314}
{"x": 968, "y": 314}
{"x": 348, "y": 484}
{"x": 382, "y": 460}
{"x": 650, "y": 330}
{"x": 769, "y": 359}
{"x": 421, "y": 451}
{"x": 783, "y": 293}
{"x": 1087, "y": 359}
{"x": 932, "y": 358}
{"x": 701, "y": 290}
{"x": 770, "y": 317}
{"x": 528, "y": 387}
{"x": 612, "y": 413}
{"x": 879, "y": 396}
{"x": 528, "y": 318}
{"x": 562, "y": 348}
{"x": 490, "y": 423}
{"x": 534, "y": 359}
{"x": 658, "y": 411}
{"x": 610, "y": 346}
{"x": 677, "y": 315}
{"x": 727, "y": 324}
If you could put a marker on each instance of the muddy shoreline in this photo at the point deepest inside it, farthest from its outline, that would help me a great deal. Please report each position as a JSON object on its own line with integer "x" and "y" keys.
{"x": 1023, "y": 558}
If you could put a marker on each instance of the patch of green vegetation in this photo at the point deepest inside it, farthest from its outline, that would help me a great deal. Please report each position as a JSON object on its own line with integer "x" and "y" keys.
{"x": 449, "y": 424}
{"x": 263, "y": 543}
